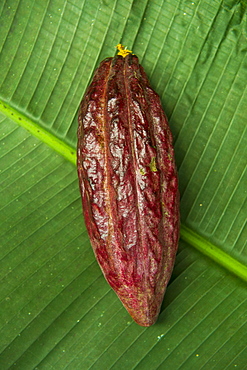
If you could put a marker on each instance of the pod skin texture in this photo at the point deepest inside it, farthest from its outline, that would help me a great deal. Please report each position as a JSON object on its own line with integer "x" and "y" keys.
{"x": 129, "y": 185}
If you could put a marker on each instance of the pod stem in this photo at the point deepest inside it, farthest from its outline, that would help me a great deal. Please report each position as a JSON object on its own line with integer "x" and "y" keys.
{"x": 122, "y": 50}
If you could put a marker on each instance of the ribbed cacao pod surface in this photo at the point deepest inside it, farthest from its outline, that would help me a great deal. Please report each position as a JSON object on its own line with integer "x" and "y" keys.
{"x": 129, "y": 184}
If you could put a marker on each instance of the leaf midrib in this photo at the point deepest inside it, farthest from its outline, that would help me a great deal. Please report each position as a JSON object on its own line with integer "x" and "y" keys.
{"x": 69, "y": 153}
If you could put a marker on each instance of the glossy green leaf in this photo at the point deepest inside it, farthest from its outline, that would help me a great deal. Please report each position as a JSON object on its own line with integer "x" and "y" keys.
{"x": 57, "y": 311}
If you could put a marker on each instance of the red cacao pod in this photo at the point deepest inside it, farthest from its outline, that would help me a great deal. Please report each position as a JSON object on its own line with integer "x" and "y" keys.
{"x": 129, "y": 184}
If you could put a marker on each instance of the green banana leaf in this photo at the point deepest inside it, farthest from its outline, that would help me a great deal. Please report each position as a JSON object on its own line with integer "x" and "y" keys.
{"x": 57, "y": 311}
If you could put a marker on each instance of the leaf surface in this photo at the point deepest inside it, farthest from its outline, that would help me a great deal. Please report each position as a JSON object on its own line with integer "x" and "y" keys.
{"x": 57, "y": 311}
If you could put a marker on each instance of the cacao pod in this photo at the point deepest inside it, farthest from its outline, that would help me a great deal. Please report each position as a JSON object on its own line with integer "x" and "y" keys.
{"x": 129, "y": 184}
